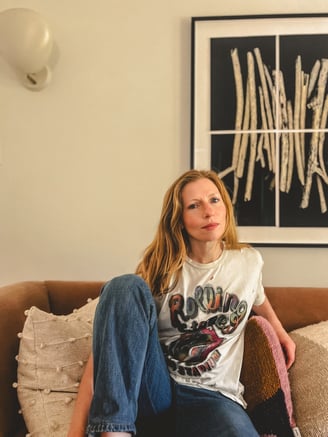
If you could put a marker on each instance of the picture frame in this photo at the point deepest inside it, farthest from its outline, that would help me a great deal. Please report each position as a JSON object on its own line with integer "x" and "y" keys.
{"x": 259, "y": 109}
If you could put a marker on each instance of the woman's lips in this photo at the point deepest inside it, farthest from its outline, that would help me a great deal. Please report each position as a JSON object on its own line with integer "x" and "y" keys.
{"x": 210, "y": 226}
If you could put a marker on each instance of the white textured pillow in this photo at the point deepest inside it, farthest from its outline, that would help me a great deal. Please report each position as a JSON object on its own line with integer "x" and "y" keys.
{"x": 52, "y": 355}
{"x": 309, "y": 379}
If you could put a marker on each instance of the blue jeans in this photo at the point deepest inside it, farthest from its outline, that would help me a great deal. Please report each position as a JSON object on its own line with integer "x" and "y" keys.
{"x": 133, "y": 391}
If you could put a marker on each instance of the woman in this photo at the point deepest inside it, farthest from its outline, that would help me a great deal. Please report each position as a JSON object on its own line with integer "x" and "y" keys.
{"x": 168, "y": 341}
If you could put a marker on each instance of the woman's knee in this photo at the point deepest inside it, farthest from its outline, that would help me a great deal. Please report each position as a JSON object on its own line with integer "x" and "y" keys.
{"x": 125, "y": 291}
{"x": 125, "y": 285}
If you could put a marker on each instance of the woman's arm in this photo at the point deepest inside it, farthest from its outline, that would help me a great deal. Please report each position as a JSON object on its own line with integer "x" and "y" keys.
{"x": 266, "y": 310}
{"x": 82, "y": 404}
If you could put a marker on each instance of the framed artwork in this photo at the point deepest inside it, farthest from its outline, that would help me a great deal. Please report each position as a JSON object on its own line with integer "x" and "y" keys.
{"x": 259, "y": 119}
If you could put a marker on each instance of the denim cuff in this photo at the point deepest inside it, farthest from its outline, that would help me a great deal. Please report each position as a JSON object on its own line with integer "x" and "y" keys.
{"x": 93, "y": 430}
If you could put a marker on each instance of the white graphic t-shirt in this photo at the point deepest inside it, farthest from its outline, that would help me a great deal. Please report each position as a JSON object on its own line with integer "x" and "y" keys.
{"x": 201, "y": 322}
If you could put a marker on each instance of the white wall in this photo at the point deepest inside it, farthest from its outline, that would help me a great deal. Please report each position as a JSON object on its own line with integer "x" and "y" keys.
{"x": 86, "y": 161}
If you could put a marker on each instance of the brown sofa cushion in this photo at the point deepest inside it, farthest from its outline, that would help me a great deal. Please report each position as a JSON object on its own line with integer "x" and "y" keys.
{"x": 65, "y": 295}
{"x": 298, "y": 306}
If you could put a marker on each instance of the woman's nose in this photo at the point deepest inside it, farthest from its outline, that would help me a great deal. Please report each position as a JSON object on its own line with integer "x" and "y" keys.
{"x": 208, "y": 210}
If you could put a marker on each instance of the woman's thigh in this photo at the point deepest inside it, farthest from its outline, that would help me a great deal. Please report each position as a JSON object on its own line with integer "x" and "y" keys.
{"x": 206, "y": 413}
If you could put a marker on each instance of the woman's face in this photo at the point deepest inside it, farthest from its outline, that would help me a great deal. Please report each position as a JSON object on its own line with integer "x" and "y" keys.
{"x": 204, "y": 213}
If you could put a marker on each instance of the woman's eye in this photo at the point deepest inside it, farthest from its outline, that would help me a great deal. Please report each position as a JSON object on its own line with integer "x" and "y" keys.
{"x": 215, "y": 200}
{"x": 192, "y": 206}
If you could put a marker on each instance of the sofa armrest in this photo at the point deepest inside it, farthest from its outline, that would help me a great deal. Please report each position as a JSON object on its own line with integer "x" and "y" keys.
{"x": 58, "y": 297}
{"x": 14, "y": 300}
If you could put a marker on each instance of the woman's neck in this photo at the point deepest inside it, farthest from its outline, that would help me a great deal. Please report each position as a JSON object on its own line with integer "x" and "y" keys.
{"x": 206, "y": 253}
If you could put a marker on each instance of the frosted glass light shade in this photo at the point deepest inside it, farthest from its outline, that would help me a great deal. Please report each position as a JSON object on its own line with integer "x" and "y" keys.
{"x": 26, "y": 42}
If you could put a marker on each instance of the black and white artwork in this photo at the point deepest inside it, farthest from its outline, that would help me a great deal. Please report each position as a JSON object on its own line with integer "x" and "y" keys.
{"x": 259, "y": 120}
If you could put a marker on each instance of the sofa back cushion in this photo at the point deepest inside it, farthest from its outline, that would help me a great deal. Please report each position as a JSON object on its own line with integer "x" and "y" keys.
{"x": 64, "y": 296}
{"x": 299, "y": 306}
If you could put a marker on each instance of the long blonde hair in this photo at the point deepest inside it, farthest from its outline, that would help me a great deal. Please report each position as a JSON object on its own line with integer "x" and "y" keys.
{"x": 162, "y": 260}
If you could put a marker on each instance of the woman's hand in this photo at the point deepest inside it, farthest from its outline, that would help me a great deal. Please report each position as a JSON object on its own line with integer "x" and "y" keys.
{"x": 289, "y": 348}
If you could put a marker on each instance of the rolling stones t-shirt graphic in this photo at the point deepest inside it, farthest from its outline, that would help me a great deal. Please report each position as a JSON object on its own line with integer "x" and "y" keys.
{"x": 201, "y": 321}
{"x": 196, "y": 350}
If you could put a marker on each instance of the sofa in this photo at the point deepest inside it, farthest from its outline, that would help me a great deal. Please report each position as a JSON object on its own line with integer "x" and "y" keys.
{"x": 297, "y": 307}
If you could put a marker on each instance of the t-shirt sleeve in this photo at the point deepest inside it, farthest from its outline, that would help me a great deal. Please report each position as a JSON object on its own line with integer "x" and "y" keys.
{"x": 259, "y": 293}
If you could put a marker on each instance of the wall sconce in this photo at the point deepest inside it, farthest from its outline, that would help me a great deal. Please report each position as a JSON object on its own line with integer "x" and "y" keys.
{"x": 26, "y": 43}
